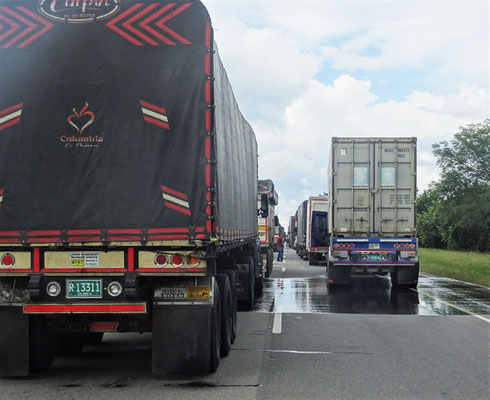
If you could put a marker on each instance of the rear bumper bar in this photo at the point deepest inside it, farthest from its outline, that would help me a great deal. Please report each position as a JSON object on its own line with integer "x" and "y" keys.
{"x": 85, "y": 308}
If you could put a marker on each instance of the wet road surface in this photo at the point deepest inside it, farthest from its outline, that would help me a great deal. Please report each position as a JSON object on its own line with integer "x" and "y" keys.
{"x": 304, "y": 341}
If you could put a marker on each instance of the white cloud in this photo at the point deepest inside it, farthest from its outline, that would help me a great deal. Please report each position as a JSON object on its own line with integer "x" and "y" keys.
{"x": 274, "y": 49}
{"x": 349, "y": 108}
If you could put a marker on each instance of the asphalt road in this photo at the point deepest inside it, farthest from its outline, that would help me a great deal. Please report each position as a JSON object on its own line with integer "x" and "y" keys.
{"x": 304, "y": 341}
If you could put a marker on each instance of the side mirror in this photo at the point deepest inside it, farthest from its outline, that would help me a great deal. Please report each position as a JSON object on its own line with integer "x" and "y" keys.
{"x": 264, "y": 206}
{"x": 276, "y": 221}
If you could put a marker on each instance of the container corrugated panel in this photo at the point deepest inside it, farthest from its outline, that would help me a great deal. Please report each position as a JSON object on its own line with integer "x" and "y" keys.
{"x": 373, "y": 185}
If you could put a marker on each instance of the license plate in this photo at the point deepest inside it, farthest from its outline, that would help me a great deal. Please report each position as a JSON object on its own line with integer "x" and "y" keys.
{"x": 84, "y": 288}
{"x": 374, "y": 257}
{"x": 374, "y": 245}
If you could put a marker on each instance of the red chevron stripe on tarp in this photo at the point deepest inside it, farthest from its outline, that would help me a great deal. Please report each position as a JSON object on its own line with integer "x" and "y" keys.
{"x": 140, "y": 29}
{"x": 21, "y": 27}
{"x": 154, "y": 115}
{"x": 10, "y": 116}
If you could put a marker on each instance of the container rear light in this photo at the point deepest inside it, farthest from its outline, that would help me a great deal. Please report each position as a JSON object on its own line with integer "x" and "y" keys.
{"x": 397, "y": 245}
{"x": 7, "y": 260}
{"x": 335, "y": 245}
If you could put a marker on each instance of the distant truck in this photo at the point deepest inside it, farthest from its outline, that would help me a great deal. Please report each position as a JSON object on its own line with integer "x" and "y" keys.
{"x": 372, "y": 222}
{"x": 302, "y": 223}
{"x": 267, "y": 224}
{"x": 292, "y": 231}
{"x": 317, "y": 238}
{"x": 128, "y": 184}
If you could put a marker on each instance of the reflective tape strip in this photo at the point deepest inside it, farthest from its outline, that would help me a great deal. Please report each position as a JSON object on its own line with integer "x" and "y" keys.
{"x": 154, "y": 114}
{"x": 10, "y": 116}
{"x": 175, "y": 200}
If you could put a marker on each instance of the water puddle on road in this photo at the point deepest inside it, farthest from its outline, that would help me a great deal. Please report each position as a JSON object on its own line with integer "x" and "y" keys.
{"x": 373, "y": 296}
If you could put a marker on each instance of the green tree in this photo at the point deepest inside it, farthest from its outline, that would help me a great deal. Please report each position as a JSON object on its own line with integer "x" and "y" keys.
{"x": 454, "y": 213}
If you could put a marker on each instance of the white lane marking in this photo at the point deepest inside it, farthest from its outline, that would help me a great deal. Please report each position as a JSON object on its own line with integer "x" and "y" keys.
{"x": 277, "y": 325}
{"x": 283, "y": 269}
{"x": 453, "y": 306}
{"x": 299, "y": 352}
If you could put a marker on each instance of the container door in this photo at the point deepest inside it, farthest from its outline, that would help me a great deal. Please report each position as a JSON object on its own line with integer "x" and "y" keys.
{"x": 395, "y": 179}
{"x": 352, "y": 185}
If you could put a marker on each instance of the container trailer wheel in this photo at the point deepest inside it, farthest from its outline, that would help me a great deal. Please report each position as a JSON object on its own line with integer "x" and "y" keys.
{"x": 313, "y": 258}
{"x": 232, "y": 278}
{"x": 42, "y": 345}
{"x": 270, "y": 263}
{"x": 226, "y": 301}
{"x": 408, "y": 277}
{"x": 215, "y": 331}
{"x": 248, "y": 303}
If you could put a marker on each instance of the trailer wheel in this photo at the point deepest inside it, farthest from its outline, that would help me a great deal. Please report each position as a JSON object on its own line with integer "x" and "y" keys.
{"x": 248, "y": 303}
{"x": 226, "y": 313}
{"x": 270, "y": 263}
{"x": 70, "y": 344}
{"x": 232, "y": 278}
{"x": 215, "y": 331}
{"x": 42, "y": 345}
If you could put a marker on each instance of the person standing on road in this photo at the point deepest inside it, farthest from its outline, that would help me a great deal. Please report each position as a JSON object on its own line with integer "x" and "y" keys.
{"x": 280, "y": 247}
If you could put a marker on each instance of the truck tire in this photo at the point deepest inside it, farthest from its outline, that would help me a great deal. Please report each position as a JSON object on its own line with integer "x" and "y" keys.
{"x": 270, "y": 263}
{"x": 215, "y": 331}
{"x": 248, "y": 303}
{"x": 42, "y": 345}
{"x": 226, "y": 313}
{"x": 70, "y": 344}
{"x": 232, "y": 278}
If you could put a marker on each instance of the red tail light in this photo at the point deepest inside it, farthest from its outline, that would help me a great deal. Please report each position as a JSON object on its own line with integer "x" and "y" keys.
{"x": 177, "y": 260}
{"x": 161, "y": 260}
{"x": 397, "y": 245}
{"x": 8, "y": 260}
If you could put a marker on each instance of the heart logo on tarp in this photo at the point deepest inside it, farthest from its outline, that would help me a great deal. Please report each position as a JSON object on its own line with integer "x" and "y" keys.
{"x": 81, "y": 120}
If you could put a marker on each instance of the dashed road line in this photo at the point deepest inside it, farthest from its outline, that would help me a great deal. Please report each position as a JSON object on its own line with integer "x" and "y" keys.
{"x": 453, "y": 306}
{"x": 277, "y": 325}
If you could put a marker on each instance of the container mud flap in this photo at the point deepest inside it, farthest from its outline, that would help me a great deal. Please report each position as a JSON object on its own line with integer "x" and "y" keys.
{"x": 14, "y": 342}
{"x": 182, "y": 327}
{"x": 337, "y": 275}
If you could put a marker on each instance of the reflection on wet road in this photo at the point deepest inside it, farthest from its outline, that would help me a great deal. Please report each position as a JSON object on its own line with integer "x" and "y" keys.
{"x": 434, "y": 296}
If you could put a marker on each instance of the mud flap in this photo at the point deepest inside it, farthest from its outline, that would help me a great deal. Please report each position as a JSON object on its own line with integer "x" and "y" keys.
{"x": 14, "y": 342}
{"x": 406, "y": 276}
{"x": 181, "y": 340}
{"x": 337, "y": 275}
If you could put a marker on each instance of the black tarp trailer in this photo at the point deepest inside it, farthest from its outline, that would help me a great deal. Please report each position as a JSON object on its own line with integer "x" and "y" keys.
{"x": 128, "y": 183}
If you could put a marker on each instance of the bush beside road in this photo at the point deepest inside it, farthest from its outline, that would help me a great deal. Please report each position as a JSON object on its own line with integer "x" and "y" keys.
{"x": 466, "y": 266}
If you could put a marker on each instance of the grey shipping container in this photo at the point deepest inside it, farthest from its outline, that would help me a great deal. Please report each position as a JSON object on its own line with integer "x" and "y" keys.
{"x": 373, "y": 185}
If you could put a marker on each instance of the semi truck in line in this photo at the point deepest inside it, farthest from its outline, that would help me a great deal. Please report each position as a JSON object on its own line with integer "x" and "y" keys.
{"x": 292, "y": 231}
{"x": 128, "y": 184}
{"x": 267, "y": 224}
{"x": 372, "y": 224}
{"x": 317, "y": 239}
{"x": 302, "y": 222}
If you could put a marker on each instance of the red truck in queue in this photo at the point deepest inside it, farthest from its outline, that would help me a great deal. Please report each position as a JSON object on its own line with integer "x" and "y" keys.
{"x": 123, "y": 161}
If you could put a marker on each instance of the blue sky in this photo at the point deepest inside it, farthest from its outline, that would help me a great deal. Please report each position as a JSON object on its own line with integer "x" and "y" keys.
{"x": 306, "y": 70}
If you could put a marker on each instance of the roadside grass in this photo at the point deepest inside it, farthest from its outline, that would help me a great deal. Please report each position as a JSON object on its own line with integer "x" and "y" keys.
{"x": 465, "y": 266}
